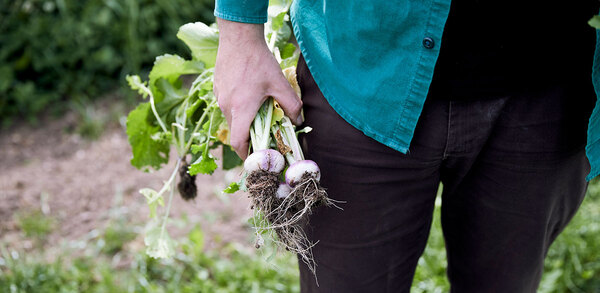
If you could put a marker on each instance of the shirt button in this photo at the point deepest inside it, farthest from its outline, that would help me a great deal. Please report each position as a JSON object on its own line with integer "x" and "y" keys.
{"x": 428, "y": 43}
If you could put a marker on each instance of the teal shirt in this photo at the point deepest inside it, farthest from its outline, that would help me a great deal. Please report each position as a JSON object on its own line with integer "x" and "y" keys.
{"x": 374, "y": 60}
{"x": 593, "y": 139}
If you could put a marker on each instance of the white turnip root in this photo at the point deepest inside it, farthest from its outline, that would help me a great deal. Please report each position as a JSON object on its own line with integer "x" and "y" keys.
{"x": 294, "y": 173}
{"x": 283, "y": 190}
{"x": 266, "y": 160}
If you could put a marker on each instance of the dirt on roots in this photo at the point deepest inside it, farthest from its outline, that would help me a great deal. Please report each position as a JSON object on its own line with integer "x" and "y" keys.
{"x": 286, "y": 217}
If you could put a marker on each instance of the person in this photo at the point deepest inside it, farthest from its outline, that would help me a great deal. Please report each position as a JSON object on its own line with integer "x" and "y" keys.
{"x": 492, "y": 99}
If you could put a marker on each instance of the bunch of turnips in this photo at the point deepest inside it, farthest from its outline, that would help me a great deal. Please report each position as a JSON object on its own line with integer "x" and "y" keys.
{"x": 182, "y": 112}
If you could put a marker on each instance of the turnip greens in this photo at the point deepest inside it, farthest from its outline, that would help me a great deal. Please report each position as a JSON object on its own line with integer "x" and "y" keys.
{"x": 181, "y": 112}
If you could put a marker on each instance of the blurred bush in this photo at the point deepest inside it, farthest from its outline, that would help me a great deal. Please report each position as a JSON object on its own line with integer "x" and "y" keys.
{"x": 52, "y": 51}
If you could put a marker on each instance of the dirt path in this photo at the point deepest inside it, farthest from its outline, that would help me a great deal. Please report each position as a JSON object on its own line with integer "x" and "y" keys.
{"x": 84, "y": 184}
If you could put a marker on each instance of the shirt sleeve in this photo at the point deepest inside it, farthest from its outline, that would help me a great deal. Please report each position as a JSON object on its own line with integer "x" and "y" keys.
{"x": 247, "y": 11}
{"x": 593, "y": 142}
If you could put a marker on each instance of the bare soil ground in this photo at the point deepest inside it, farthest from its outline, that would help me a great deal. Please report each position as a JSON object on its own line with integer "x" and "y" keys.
{"x": 80, "y": 184}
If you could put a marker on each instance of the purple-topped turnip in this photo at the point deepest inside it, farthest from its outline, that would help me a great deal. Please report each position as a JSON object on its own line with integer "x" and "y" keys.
{"x": 266, "y": 160}
{"x": 294, "y": 173}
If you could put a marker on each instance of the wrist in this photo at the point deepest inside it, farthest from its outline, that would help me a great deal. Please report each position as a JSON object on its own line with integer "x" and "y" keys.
{"x": 239, "y": 32}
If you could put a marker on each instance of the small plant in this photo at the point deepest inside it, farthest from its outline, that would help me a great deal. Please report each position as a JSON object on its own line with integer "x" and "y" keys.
{"x": 91, "y": 123}
{"x": 35, "y": 224}
{"x": 116, "y": 235}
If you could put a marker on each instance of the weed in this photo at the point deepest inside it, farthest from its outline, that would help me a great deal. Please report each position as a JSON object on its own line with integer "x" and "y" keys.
{"x": 573, "y": 263}
{"x": 35, "y": 224}
{"x": 115, "y": 238}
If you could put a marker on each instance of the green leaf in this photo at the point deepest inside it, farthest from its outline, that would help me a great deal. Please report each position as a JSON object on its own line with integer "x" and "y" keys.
{"x": 277, "y": 114}
{"x": 290, "y": 61}
{"x": 278, "y": 20}
{"x": 204, "y": 165}
{"x": 170, "y": 67}
{"x": 147, "y": 147}
{"x": 158, "y": 242}
{"x": 595, "y": 22}
{"x": 170, "y": 99}
{"x": 136, "y": 84}
{"x": 207, "y": 86}
{"x": 198, "y": 148}
{"x": 191, "y": 110}
{"x": 232, "y": 188}
{"x": 280, "y": 3}
{"x": 216, "y": 119}
{"x": 283, "y": 36}
{"x": 202, "y": 41}
{"x": 287, "y": 50}
{"x": 153, "y": 199}
{"x": 230, "y": 158}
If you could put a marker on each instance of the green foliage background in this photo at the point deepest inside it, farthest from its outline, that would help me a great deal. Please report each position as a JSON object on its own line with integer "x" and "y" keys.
{"x": 572, "y": 265}
{"x": 52, "y": 51}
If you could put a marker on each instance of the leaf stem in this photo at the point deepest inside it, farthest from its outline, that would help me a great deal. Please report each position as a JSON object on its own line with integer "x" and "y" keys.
{"x": 267, "y": 124}
{"x": 153, "y": 107}
{"x": 253, "y": 139}
{"x": 210, "y": 121}
{"x": 288, "y": 155}
{"x": 170, "y": 183}
{"x": 288, "y": 133}
{"x": 261, "y": 126}
{"x": 189, "y": 143}
{"x": 181, "y": 132}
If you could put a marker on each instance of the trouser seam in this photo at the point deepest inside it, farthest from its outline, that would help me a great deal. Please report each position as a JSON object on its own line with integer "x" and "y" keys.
{"x": 445, "y": 153}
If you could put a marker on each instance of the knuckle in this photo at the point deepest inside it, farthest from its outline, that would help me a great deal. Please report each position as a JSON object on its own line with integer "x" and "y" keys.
{"x": 224, "y": 103}
{"x": 221, "y": 103}
{"x": 235, "y": 140}
{"x": 298, "y": 105}
{"x": 236, "y": 144}
{"x": 295, "y": 106}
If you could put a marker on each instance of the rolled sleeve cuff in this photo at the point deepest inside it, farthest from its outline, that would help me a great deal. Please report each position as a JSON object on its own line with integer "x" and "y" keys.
{"x": 246, "y": 11}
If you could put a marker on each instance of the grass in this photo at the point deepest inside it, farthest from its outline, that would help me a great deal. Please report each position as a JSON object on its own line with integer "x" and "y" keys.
{"x": 573, "y": 264}
{"x": 430, "y": 275}
{"x": 115, "y": 237}
{"x": 231, "y": 268}
{"x": 35, "y": 224}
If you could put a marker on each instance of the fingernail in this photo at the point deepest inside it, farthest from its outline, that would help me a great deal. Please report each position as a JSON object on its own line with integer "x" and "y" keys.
{"x": 300, "y": 119}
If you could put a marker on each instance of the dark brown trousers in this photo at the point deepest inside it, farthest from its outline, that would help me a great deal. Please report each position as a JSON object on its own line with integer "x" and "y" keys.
{"x": 512, "y": 170}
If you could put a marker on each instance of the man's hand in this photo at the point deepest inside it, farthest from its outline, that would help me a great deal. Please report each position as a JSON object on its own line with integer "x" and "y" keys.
{"x": 246, "y": 74}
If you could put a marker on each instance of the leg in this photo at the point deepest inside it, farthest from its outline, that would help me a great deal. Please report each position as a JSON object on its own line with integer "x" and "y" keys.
{"x": 374, "y": 243}
{"x": 516, "y": 194}
{"x": 499, "y": 224}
